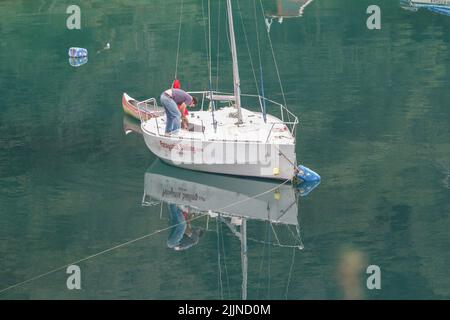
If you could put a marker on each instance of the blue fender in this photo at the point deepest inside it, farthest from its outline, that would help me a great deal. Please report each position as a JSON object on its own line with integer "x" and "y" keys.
{"x": 307, "y": 175}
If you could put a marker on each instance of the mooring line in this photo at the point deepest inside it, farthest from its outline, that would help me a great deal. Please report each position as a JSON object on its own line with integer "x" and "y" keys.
{"x": 132, "y": 241}
{"x": 93, "y": 256}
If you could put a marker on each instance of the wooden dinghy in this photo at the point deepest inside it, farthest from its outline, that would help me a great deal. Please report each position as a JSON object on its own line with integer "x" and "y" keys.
{"x": 141, "y": 110}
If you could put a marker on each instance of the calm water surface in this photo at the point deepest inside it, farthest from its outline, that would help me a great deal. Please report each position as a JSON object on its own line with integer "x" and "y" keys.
{"x": 374, "y": 112}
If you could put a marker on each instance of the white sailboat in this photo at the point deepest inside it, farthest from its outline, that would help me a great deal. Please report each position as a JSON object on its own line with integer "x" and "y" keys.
{"x": 226, "y": 137}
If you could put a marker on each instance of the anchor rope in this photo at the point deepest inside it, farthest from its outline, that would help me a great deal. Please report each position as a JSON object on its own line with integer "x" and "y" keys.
{"x": 121, "y": 245}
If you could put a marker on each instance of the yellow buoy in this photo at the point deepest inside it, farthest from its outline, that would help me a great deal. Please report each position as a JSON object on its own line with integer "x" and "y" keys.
{"x": 276, "y": 171}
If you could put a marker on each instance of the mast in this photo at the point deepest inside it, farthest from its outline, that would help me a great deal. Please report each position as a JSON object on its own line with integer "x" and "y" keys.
{"x": 236, "y": 81}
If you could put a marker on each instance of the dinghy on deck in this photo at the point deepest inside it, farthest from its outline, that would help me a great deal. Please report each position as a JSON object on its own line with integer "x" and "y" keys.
{"x": 141, "y": 110}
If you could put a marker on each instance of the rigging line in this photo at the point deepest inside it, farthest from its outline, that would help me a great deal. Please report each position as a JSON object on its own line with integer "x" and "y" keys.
{"x": 210, "y": 66}
{"x": 248, "y": 47}
{"x": 208, "y": 56}
{"x": 262, "y": 260}
{"x": 218, "y": 49}
{"x": 297, "y": 227}
{"x": 227, "y": 32}
{"x": 94, "y": 255}
{"x": 206, "y": 34}
{"x": 297, "y": 238}
{"x": 219, "y": 263}
{"x": 290, "y": 274}
{"x": 268, "y": 267}
{"x": 130, "y": 242}
{"x": 257, "y": 34}
{"x": 225, "y": 263}
{"x": 179, "y": 39}
{"x": 263, "y": 106}
{"x": 275, "y": 63}
{"x": 209, "y": 42}
{"x": 280, "y": 245}
{"x": 275, "y": 233}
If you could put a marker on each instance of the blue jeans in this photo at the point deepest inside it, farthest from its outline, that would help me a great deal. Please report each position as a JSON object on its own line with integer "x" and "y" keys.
{"x": 178, "y": 224}
{"x": 172, "y": 113}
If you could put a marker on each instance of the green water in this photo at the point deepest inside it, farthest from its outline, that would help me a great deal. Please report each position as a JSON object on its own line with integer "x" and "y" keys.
{"x": 373, "y": 106}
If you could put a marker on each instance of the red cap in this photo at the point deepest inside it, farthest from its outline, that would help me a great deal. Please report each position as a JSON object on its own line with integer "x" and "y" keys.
{"x": 176, "y": 84}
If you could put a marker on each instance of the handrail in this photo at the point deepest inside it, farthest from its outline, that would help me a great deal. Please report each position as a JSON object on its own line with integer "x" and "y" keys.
{"x": 140, "y": 105}
{"x": 207, "y": 93}
{"x": 270, "y": 132}
{"x": 243, "y": 95}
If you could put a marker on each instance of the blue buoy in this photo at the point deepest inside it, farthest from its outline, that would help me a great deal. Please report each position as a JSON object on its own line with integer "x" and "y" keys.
{"x": 75, "y": 52}
{"x": 307, "y": 175}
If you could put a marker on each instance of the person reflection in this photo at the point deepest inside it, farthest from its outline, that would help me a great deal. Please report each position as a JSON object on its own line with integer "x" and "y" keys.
{"x": 183, "y": 235}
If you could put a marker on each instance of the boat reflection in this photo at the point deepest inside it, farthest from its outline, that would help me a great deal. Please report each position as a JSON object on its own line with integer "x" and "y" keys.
{"x": 78, "y": 62}
{"x": 437, "y": 6}
{"x": 131, "y": 125}
{"x": 284, "y": 9}
{"x": 233, "y": 201}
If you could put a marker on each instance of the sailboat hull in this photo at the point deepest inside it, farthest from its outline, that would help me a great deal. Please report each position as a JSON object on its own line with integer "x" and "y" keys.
{"x": 271, "y": 162}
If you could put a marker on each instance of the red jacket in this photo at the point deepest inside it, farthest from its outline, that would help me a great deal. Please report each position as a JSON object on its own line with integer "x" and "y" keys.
{"x": 177, "y": 85}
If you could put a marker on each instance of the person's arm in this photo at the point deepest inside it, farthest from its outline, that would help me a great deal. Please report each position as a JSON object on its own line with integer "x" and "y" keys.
{"x": 184, "y": 120}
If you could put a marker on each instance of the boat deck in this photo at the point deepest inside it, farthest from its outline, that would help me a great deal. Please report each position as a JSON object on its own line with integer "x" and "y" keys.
{"x": 253, "y": 129}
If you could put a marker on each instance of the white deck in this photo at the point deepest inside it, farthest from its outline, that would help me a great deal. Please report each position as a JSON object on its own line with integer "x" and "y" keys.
{"x": 274, "y": 131}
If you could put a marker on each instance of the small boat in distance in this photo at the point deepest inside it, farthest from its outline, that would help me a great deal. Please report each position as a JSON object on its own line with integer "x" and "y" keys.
{"x": 437, "y": 6}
